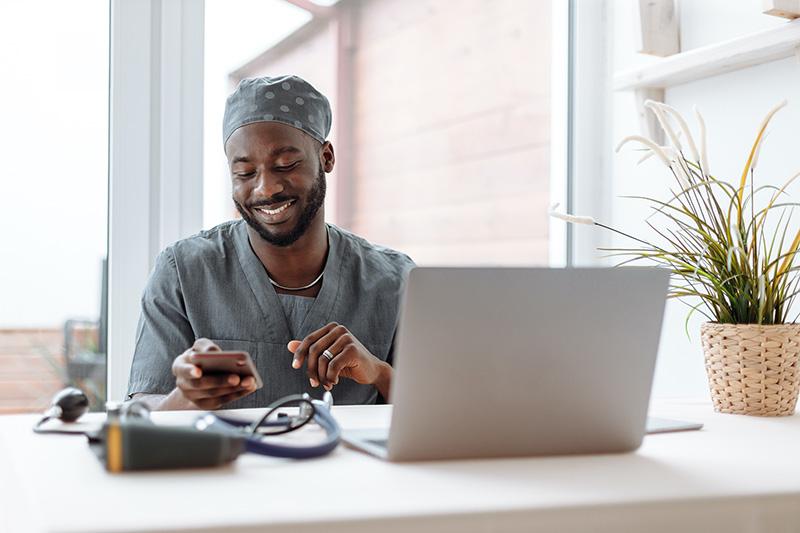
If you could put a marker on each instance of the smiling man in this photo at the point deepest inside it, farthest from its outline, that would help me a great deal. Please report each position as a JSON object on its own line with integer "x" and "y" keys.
{"x": 314, "y": 305}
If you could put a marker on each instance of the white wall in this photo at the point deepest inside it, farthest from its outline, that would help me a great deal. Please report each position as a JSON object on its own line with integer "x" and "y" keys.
{"x": 733, "y": 106}
{"x": 53, "y": 160}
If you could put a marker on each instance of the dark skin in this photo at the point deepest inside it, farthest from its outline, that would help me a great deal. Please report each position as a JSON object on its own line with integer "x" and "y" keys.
{"x": 274, "y": 168}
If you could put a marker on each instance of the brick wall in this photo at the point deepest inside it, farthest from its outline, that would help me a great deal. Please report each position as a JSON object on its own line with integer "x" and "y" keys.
{"x": 31, "y": 369}
{"x": 452, "y": 129}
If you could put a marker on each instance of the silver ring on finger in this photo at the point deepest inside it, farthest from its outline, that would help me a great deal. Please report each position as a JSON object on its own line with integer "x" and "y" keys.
{"x": 328, "y": 355}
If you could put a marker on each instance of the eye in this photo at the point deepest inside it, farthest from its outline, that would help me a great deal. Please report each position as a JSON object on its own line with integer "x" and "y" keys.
{"x": 244, "y": 175}
{"x": 286, "y": 168}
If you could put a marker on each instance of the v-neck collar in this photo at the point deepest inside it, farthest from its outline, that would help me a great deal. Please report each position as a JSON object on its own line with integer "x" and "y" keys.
{"x": 277, "y": 328}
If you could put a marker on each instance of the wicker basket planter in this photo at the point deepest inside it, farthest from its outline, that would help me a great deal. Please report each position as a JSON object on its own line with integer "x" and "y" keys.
{"x": 752, "y": 369}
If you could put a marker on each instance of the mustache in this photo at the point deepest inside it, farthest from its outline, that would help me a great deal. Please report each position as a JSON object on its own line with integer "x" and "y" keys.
{"x": 277, "y": 199}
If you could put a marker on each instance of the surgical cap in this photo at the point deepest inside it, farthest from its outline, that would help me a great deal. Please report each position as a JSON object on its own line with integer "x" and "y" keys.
{"x": 286, "y": 99}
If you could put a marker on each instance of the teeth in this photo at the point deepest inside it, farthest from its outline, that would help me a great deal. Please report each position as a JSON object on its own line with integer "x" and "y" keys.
{"x": 274, "y": 211}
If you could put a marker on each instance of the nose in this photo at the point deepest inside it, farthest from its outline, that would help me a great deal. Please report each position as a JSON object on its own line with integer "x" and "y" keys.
{"x": 268, "y": 185}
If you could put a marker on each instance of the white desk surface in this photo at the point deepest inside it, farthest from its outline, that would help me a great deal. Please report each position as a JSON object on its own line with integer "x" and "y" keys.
{"x": 737, "y": 474}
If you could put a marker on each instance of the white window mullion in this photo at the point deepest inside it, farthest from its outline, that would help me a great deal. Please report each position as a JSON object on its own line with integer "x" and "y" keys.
{"x": 181, "y": 119}
{"x": 155, "y": 153}
{"x": 591, "y": 145}
{"x": 559, "y": 132}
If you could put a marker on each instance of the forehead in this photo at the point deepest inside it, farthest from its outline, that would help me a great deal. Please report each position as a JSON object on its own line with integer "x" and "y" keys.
{"x": 261, "y": 138}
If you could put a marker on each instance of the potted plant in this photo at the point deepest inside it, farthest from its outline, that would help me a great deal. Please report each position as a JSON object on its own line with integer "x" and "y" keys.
{"x": 731, "y": 251}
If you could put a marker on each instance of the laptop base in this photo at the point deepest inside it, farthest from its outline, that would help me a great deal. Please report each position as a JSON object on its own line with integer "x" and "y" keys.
{"x": 376, "y": 441}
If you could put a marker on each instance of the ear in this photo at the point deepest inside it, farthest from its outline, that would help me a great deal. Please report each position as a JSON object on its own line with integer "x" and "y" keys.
{"x": 327, "y": 157}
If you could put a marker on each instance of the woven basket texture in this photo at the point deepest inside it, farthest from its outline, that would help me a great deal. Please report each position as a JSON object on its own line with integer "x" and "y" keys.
{"x": 752, "y": 369}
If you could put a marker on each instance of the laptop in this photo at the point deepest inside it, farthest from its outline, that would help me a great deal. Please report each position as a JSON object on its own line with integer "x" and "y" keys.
{"x": 504, "y": 362}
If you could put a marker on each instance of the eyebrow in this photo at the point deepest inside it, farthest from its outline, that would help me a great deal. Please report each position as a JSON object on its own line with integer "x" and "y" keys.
{"x": 285, "y": 150}
{"x": 274, "y": 153}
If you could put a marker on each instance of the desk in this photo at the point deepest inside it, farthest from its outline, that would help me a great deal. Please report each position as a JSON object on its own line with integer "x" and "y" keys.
{"x": 737, "y": 474}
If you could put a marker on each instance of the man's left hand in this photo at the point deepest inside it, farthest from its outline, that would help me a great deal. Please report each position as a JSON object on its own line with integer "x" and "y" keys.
{"x": 349, "y": 359}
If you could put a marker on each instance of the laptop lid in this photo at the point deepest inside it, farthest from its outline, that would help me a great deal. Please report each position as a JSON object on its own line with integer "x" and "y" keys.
{"x": 494, "y": 362}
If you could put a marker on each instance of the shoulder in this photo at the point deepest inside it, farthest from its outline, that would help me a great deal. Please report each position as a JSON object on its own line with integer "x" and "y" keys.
{"x": 371, "y": 256}
{"x": 204, "y": 246}
{"x": 196, "y": 257}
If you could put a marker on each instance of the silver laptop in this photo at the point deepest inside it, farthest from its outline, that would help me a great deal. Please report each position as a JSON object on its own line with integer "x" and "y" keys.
{"x": 498, "y": 362}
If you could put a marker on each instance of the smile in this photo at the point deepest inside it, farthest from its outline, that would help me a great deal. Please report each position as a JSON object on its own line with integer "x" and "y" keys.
{"x": 273, "y": 212}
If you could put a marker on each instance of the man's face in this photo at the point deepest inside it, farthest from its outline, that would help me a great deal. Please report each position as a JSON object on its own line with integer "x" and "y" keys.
{"x": 278, "y": 179}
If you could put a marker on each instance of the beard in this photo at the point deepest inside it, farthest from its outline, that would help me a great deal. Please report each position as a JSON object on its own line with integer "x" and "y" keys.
{"x": 314, "y": 200}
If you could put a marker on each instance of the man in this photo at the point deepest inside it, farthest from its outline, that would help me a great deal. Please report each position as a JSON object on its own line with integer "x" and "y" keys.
{"x": 315, "y": 306}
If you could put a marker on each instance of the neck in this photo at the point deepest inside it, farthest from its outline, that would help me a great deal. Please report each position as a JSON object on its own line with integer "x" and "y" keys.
{"x": 299, "y": 263}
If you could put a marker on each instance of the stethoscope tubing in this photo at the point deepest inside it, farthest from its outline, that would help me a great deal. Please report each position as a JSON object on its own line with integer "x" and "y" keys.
{"x": 242, "y": 423}
{"x": 324, "y": 419}
{"x": 255, "y": 444}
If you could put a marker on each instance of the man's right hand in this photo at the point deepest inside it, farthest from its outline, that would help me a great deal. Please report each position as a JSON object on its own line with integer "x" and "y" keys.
{"x": 210, "y": 391}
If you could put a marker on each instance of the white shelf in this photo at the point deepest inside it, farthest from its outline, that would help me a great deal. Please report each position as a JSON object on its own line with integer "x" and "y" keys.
{"x": 727, "y": 56}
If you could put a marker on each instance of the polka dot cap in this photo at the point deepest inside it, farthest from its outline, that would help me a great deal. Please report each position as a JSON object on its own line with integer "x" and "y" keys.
{"x": 286, "y": 99}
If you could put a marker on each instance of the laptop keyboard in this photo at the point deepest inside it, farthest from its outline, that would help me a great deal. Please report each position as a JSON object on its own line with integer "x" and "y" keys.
{"x": 378, "y": 442}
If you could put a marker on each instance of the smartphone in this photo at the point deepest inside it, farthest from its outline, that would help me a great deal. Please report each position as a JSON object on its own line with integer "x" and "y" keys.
{"x": 228, "y": 363}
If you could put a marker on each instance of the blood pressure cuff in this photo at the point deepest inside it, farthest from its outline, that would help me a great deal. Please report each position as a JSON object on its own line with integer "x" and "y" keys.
{"x": 126, "y": 445}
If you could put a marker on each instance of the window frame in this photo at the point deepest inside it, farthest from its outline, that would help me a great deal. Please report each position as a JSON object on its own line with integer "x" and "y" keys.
{"x": 590, "y": 149}
{"x": 155, "y": 154}
{"x": 156, "y": 148}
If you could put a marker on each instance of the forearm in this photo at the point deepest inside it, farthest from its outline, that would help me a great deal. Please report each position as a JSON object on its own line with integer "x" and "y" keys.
{"x": 384, "y": 381}
{"x": 174, "y": 401}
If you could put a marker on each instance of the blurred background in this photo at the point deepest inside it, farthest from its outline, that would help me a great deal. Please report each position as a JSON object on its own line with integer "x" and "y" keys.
{"x": 441, "y": 117}
{"x": 449, "y": 129}
{"x": 54, "y": 200}
{"x": 441, "y": 124}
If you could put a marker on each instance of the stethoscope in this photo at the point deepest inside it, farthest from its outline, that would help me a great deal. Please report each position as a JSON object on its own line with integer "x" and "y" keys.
{"x": 71, "y": 403}
{"x": 309, "y": 409}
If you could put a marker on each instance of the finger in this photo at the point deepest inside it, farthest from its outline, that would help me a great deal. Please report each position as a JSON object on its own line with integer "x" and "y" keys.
{"x": 346, "y": 359}
{"x": 203, "y": 345}
{"x": 292, "y": 347}
{"x": 182, "y": 367}
{"x": 203, "y": 394}
{"x": 301, "y": 351}
{"x": 338, "y": 346}
{"x": 322, "y": 369}
{"x": 315, "y": 353}
{"x": 337, "y": 349}
{"x": 211, "y": 381}
{"x": 214, "y": 403}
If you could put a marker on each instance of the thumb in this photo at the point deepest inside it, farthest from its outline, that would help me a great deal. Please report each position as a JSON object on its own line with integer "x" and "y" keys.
{"x": 293, "y": 346}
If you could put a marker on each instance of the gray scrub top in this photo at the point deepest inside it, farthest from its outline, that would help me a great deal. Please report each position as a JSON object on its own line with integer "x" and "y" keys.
{"x": 213, "y": 285}
{"x": 296, "y": 309}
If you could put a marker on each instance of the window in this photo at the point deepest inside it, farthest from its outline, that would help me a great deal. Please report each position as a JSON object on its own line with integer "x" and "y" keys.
{"x": 54, "y": 200}
{"x": 441, "y": 117}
